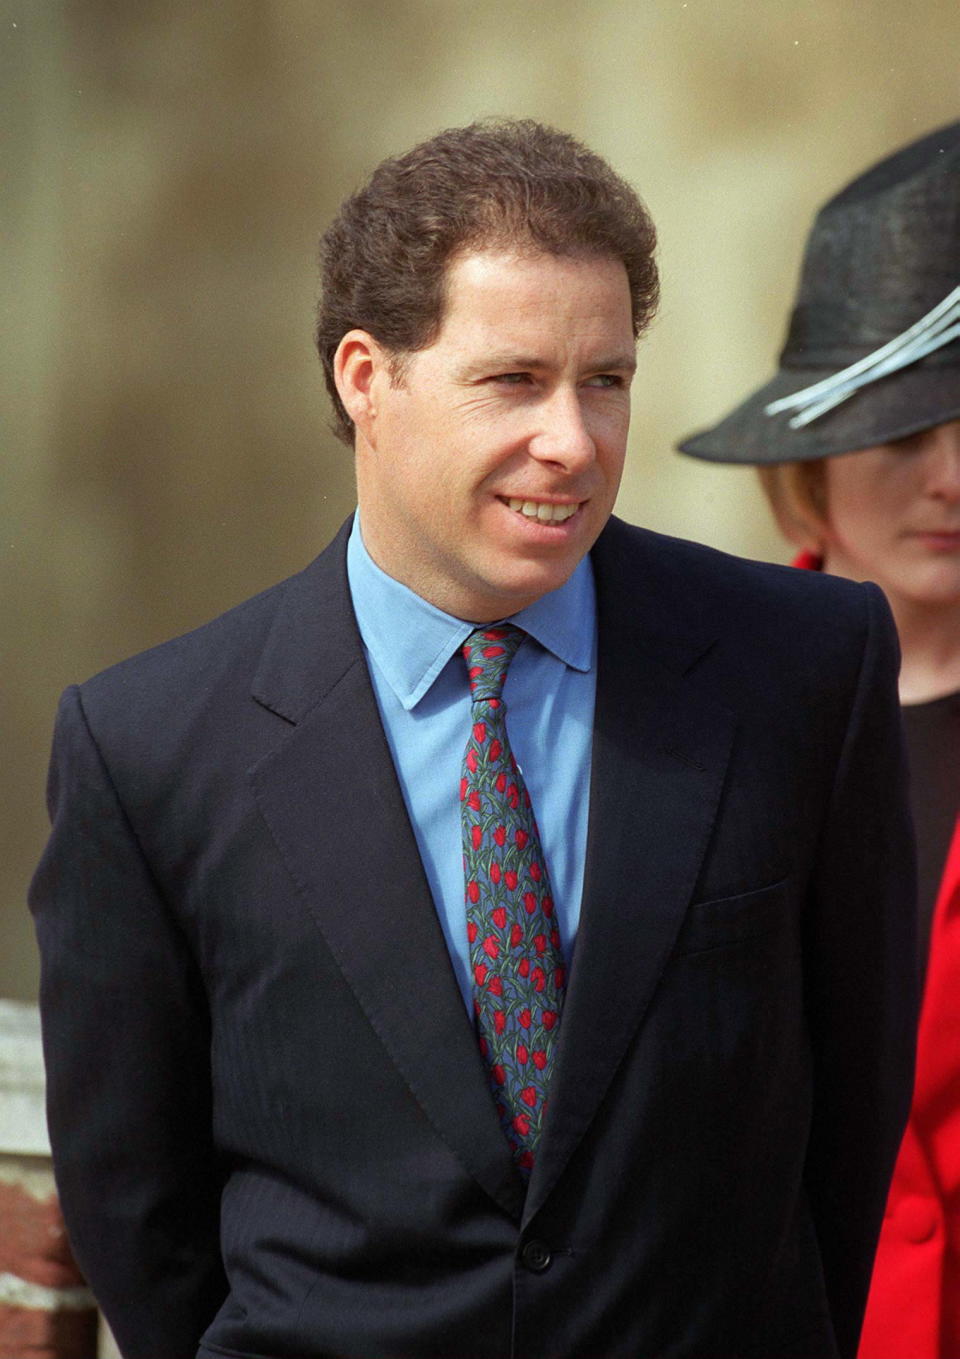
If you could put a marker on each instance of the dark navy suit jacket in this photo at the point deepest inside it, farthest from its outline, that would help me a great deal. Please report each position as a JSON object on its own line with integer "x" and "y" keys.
{"x": 272, "y": 1133}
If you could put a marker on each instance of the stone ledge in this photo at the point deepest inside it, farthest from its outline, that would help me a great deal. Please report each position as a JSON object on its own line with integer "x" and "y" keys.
{"x": 23, "y": 1119}
{"x": 17, "y": 1292}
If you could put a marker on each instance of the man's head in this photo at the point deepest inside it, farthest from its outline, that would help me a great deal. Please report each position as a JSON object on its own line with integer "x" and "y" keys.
{"x": 483, "y": 297}
{"x": 509, "y": 186}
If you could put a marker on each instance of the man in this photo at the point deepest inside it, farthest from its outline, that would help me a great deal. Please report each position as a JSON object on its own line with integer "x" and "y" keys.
{"x": 351, "y": 1054}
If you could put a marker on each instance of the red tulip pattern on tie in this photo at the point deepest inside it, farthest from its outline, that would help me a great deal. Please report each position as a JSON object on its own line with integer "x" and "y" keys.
{"x": 515, "y": 956}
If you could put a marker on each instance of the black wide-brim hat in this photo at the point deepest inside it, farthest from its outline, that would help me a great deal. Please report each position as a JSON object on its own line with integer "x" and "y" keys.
{"x": 880, "y": 257}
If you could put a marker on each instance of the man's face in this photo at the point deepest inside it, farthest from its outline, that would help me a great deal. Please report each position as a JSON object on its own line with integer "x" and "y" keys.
{"x": 486, "y": 473}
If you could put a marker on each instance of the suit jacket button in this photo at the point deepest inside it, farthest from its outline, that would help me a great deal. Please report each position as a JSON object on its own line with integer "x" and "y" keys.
{"x": 916, "y": 1219}
{"x": 536, "y": 1255}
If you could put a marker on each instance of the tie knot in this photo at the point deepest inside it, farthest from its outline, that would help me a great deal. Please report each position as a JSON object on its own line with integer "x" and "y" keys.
{"x": 488, "y": 652}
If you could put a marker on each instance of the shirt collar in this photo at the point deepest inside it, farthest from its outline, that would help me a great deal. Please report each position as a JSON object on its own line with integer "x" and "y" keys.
{"x": 411, "y": 640}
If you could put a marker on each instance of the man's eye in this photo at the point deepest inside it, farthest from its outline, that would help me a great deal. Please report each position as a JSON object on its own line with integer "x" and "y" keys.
{"x": 605, "y": 380}
{"x": 512, "y": 379}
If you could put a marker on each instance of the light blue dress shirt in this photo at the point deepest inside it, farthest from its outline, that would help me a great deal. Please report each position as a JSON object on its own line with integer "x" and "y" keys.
{"x": 420, "y": 682}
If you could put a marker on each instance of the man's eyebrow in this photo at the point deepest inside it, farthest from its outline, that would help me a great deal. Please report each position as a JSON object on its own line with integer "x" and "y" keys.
{"x": 627, "y": 361}
{"x": 521, "y": 363}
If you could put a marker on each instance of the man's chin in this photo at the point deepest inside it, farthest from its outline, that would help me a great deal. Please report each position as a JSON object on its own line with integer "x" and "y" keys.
{"x": 512, "y": 591}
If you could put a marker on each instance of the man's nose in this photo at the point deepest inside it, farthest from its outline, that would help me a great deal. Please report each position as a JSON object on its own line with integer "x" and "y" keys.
{"x": 943, "y": 461}
{"x": 563, "y": 436}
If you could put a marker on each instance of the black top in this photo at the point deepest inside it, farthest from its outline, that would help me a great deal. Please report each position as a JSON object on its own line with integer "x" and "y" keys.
{"x": 933, "y": 746}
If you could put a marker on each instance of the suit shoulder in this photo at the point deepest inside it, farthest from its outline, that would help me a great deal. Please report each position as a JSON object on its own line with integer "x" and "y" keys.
{"x": 811, "y": 624}
{"x": 706, "y": 580}
{"x": 178, "y": 665}
{"x": 223, "y": 654}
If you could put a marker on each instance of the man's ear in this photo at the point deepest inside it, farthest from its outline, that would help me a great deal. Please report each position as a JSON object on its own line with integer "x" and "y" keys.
{"x": 357, "y": 364}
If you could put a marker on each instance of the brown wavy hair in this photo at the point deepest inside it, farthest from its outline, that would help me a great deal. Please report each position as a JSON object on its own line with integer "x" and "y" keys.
{"x": 499, "y": 184}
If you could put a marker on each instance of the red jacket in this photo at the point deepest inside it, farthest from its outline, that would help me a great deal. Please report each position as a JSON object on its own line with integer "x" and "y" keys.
{"x": 913, "y": 1311}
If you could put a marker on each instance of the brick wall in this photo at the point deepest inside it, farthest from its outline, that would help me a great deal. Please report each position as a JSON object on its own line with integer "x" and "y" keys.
{"x": 46, "y": 1312}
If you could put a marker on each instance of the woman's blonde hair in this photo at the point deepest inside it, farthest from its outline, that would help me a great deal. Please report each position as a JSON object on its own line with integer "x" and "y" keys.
{"x": 797, "y": 495}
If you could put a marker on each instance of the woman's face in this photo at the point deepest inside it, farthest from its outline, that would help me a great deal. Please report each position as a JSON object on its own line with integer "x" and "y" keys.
{"x": 893, "y": 515}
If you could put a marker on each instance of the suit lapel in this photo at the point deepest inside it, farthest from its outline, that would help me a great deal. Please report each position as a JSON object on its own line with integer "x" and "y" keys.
{"x": 660, "y": 752}
{"x": 331, "y": 798}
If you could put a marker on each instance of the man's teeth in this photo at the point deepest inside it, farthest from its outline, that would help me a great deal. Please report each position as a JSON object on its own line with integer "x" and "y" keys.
{"x": 539, "y": 509}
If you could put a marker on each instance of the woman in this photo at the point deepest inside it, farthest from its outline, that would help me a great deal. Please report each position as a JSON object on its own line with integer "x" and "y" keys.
{"x": 857, "y": 439}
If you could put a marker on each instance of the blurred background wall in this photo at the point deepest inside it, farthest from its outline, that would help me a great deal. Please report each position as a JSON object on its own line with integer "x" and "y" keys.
{"x": 168, "y": 167}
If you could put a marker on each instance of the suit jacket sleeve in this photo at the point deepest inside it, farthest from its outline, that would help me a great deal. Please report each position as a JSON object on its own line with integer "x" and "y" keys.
{"x": 860, "y": 979}
{"x": 126, "y": 1038}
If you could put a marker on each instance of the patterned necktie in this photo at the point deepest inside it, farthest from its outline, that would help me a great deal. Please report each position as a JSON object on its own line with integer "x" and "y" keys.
{"x": 515, "y": 956}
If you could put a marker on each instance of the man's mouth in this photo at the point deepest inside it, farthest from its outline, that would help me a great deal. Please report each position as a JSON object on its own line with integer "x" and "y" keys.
{"x": 542, "y": 511}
